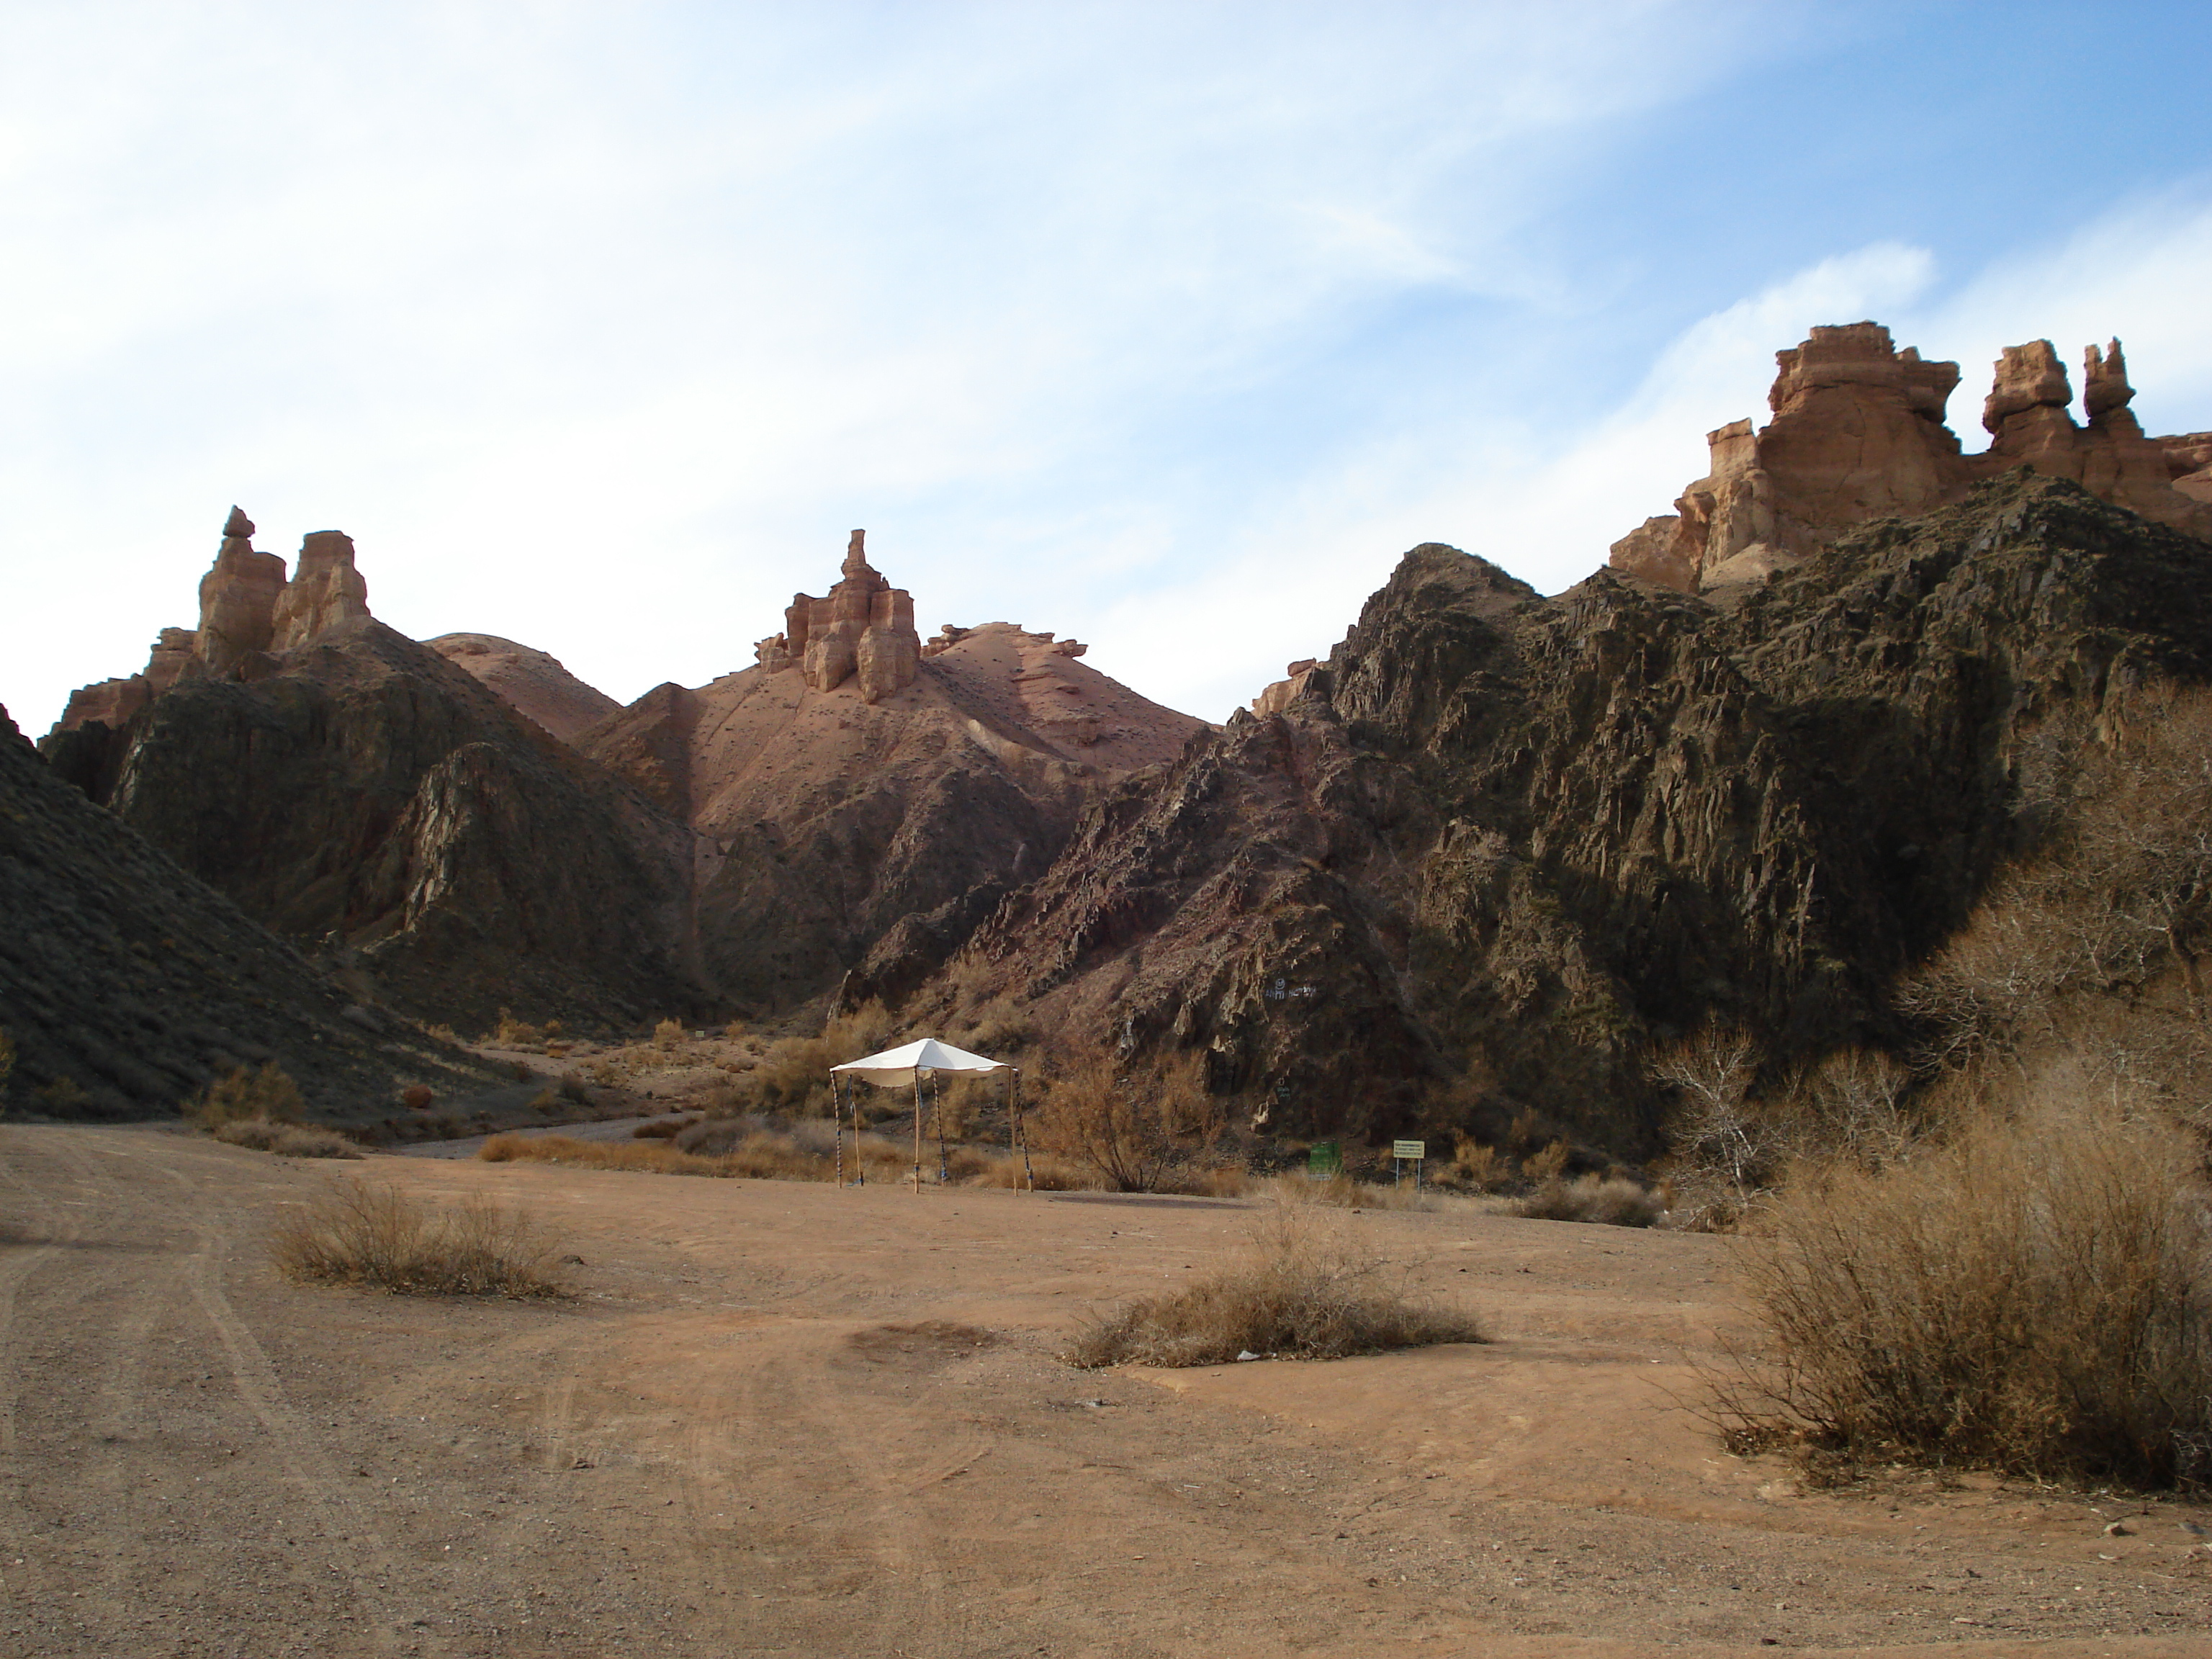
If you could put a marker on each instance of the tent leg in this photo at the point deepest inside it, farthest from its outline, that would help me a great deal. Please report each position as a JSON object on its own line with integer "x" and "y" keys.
{"x": 1021, "y": 1129}
{"x": 837, "y": 1118}
{"x": 936, "y": 1118}
{"x": 917, "y": 1133}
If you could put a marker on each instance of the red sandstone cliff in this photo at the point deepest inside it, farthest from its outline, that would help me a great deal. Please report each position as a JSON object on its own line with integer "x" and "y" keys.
{"x": 1858, "y": 433}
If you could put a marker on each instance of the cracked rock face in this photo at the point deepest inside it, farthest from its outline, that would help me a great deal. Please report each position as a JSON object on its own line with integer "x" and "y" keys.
{"x": 1503, "y": 844}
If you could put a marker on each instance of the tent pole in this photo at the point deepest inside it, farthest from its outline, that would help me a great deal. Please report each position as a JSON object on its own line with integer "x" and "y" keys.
{"x": 837, "y": 1118}
{"x": 917, "y": 1131}
{"x": 937, "y": 1119}
{"x": 859, "y": 1164}
{"x": 1021, "y": 1129}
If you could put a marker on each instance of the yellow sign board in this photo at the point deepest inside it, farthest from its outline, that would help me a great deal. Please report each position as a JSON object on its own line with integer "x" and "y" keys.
{"x": 1413, "y": 1150}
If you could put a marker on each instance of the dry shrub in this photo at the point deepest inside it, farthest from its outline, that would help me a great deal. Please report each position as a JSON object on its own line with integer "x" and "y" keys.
{"x": 1142, "y": 1132}
{"x": 666, "y": 1128}
{"x": 418, "y": 1097}
{"x": 1612, "y": 1202}
{"x": 511, "y": 1033}
{"x": 1730, "y": 1149}
{"x": 794, "y": 1075}
{"x": 1548, "y": 1166}
{"x": 377, "y": 1236}
{"x": 267, "y": 1094}
{"x": 1483, "y": 1169}
{"x": 2033, "y": 1296}
{"x": 285, "y": 1139}
{"x": 1307, "y": 1289}
{"x": 667, "y": 1033}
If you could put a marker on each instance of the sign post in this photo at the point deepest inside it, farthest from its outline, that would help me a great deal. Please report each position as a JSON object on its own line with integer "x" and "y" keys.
{"x": 1403, "y": 1152}
{"x": 1325, "y": 1161}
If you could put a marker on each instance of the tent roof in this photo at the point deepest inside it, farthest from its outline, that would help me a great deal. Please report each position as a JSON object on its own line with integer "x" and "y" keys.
{"x": 899, "y": 1065}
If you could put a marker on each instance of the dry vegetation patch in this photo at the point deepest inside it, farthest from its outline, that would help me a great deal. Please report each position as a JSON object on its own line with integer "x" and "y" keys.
{"x": 2034, "y": 1298}
{"x": 285, "y": 1139}
{"x": 1612, "y": 1202}
{"x": 376, "y": 1235}
{"x": 1306, "y": 1289}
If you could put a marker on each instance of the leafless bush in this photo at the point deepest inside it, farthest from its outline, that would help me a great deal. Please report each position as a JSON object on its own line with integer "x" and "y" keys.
{"x": 2033, "y": 1296}
{"x": 285, "y": 1139}
{"x": 1614, "y": 1201}
{"x": 1306, "y": 1290}
{"x": 376, "y": 1235}
{"x": 1137, "y": 1132}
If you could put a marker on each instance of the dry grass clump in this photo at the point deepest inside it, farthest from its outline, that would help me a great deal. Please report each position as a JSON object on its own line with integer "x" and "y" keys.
{"x": 2033, "y": 1296}
{"x": 377, "y": 1236}
{"x": 1307, "y": 1289}
{"x": 1343, "y": 1191}
{"x": 744, "y": 1153}
{"x": 285, "y": 1139}
{"x": 1608, "y": 1201}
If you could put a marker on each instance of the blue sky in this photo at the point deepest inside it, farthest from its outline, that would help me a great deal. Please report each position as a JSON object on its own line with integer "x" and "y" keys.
{"x": 1169, "y": 326}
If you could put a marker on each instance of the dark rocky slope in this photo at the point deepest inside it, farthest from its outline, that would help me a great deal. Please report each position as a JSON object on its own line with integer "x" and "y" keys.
{"x": 137, "y": 983}
{"x": 1499, "y": 846}
{"x": 363, "y": 795}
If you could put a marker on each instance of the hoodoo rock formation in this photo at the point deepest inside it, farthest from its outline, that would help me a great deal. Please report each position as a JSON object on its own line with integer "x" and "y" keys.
{"x": 862, "y": 631}
{"x": 358, "y": 793}
{"x": 1858, "y": 433}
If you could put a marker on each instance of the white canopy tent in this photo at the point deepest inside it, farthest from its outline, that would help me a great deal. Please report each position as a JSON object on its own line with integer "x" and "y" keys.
{"x": 908, "y": 1064}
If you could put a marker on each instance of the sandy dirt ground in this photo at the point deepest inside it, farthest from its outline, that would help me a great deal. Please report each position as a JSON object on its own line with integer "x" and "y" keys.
{"x": 777, "y": 1418}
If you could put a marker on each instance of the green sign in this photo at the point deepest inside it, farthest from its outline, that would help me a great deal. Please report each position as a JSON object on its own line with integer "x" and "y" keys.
{"x": 1415, "y": 1151}
{"x": 1325, "y": 1159}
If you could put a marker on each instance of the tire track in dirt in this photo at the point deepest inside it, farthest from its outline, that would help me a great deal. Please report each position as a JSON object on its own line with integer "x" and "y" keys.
{"x": 782, "y": 1425}
{"x": 254, "y": 1381}
{"x": 52, "y": 1225}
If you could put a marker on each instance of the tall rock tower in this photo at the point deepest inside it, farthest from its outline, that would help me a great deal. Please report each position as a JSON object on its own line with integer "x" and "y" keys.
{"x": 862, "y": 631}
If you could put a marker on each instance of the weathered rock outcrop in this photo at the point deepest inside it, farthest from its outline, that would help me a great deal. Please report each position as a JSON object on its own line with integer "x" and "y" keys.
{"x": 1497, "y": 846}
{"x": 127, "y": 977}
{"x": 238, "y": 601}
{"x": 862, "y": 631}
{"x": 533, "y": 684}
{"x": 326, "y": 595}
{"x": 354, "y": 790}
{"x": 247, "y": 611}
{"x": 1858, "y": 433}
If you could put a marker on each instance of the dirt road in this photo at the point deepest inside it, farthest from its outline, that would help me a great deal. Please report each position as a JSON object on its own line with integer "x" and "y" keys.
{"x": 781, "y": 1418}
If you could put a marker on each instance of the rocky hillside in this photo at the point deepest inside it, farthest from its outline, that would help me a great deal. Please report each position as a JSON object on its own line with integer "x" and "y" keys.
{"x": 471, "y": 827}
{"x": 1498, "y": 846}
{"x": 356, "y": 793}
{"x": 848, "y": 789}
{"x": 125, "y": 984}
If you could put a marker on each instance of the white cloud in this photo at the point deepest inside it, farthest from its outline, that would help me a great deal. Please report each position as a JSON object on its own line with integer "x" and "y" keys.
{"x": 603, "y": 331}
